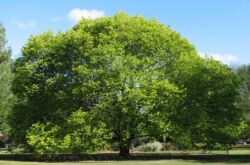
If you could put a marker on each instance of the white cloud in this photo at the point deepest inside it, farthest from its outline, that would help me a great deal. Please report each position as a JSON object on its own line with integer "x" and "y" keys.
{"x": 24, "y": 25}
{"x": 224, "y": 58}
{"x": 77, "y": 14}
{"x": 56, "y": 19}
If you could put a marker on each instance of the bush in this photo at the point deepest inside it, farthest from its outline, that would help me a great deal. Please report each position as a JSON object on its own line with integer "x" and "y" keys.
{"x": 18, "y": 150}
{"x": 151, "y": 147}
{"x": 169, "y": 147}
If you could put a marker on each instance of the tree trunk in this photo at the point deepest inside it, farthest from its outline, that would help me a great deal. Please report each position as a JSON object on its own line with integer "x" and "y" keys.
{"x": 124, "y": 151}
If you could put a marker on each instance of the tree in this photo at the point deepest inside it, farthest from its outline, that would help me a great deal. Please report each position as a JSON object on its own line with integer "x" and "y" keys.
{"x": 243, "y": 73}
{"x": 125, "y": 72}
{"x": 6, "y": 97}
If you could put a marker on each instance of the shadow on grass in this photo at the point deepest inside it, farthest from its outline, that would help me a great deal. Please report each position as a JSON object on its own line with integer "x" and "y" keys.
{"x": 198, "y": 158}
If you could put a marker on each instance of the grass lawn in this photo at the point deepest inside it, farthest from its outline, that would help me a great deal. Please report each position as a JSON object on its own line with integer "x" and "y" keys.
{"x": 239, "y": 151}
{"x": 156, "y": 162}
{"x": 3, "y": 152}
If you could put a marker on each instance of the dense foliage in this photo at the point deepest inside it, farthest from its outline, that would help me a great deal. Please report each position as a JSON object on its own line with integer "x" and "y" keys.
{"x": 131, "y": 77}
{"x": 243, "y": 73}
{"x": 6, "y": 97}
{"x": 209, "y": 113}
{"x": 76, "y": 135}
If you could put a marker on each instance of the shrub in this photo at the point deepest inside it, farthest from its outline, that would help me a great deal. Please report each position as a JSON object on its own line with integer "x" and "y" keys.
{"x": 18, "y": 150}
{"x": 170, "y": 146}
{"x": 151, "y": 147}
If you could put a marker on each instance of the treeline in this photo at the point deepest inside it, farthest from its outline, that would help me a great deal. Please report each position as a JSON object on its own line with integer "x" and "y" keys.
{"x": 6, "y": 77}
{"x": 109, "y": 81}
{"x": 243, "y": 72}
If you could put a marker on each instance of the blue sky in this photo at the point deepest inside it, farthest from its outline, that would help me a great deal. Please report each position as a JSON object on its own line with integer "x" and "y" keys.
{"x": 220, "y": 28}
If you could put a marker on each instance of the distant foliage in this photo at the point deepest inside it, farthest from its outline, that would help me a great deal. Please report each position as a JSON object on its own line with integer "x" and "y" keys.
{"x": 6, "y": 76}
{"x": 243, "y": 72}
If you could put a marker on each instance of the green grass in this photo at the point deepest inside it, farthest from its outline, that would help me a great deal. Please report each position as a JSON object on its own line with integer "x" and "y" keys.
{"x": 239, "y": 151}
{"x": 156, "y": 162}
{"x": 3, "y": 152}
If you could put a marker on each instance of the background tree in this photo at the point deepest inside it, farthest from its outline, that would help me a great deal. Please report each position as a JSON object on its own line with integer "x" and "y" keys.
{"x": 137, "y": 76}
{"x": 243, "y": 73}
{"x": 6, "y": 97}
